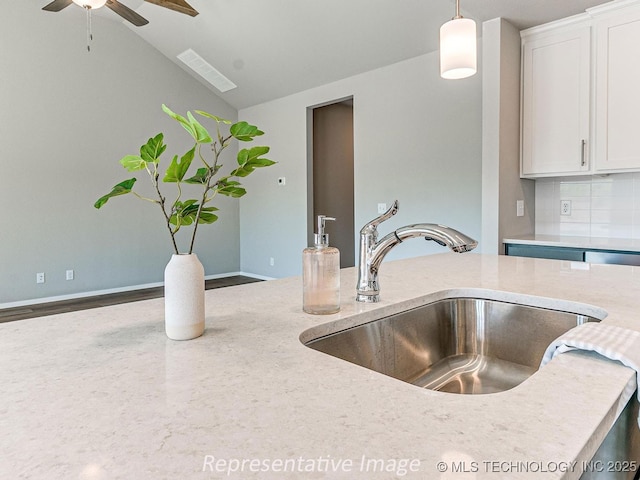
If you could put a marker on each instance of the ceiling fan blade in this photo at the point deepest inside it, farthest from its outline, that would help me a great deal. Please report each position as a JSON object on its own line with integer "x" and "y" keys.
{"x": 126, "y": 13}
{"x": 57, "y": 5}
{"x": 177, "y": 5}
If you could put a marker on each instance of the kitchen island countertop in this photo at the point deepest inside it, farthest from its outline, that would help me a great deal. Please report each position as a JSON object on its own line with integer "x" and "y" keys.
{"x": 103, "y": 394}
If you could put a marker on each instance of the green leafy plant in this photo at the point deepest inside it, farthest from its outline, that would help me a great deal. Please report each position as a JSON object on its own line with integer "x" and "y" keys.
{"x": 181, "y": 212}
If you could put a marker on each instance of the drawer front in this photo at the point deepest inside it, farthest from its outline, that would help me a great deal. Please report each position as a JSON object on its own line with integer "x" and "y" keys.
{"x": 613, "y": 258}
{"x": 554, "y": 253}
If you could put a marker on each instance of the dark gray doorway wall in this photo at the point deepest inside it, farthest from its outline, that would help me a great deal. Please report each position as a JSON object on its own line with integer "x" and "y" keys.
{"x": 333, "y": 177}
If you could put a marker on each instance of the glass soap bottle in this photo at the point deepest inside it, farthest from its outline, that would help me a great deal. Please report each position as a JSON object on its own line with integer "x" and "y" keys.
{"x": 321, "y": 274}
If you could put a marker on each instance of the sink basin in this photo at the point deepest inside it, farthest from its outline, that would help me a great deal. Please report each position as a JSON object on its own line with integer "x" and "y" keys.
{"x": 458, "y": 345}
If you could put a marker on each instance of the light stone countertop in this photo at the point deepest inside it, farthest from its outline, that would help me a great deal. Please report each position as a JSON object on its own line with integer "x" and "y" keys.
{"x": 597, "y": 243}
{"x": 103, "y": 394}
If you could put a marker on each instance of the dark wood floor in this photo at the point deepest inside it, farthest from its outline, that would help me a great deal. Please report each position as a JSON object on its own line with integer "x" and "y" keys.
{"x": 63, "y": 306}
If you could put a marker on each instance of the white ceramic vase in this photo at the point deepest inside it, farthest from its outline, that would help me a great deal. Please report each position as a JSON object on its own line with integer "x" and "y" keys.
{"x": 184, "y": 297}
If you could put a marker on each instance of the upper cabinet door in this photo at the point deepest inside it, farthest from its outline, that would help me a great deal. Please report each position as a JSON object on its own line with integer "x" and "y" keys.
{"x": 555, "y": 102}
{"x": 617, "y": 116}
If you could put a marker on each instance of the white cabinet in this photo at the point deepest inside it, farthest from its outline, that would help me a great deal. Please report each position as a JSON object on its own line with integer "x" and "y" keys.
{"x": 617, "y": 119}
{"x": 581, "y": 93}
{"x": 555, "y": 101}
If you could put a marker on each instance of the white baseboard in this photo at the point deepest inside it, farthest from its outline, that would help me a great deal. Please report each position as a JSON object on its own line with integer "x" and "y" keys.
{"x": 129, "y": 288}
{"x": 255, "y": 275}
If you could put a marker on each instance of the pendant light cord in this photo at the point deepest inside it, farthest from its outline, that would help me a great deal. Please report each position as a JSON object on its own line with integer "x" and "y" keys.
{"x": 457, "y": 10}
{"x": 89, "y": 30}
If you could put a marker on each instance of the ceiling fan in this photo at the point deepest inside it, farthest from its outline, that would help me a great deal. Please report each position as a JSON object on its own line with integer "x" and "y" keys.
{"x": 125, "y": 12}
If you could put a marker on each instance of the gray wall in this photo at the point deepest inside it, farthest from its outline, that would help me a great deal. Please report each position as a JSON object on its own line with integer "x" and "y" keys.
{"x": 417, "y": 138}
{"x": 67, "y": 117}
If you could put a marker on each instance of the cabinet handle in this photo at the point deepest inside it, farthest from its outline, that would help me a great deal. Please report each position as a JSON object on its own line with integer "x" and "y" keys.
{"x": 583, "y": 160}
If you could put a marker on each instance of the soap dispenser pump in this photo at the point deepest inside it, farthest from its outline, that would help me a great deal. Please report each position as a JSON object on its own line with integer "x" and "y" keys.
{"x": 321, "y": 274}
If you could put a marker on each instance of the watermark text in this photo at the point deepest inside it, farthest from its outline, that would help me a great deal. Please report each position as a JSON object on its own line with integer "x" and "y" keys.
{"x": 399, "y": 467}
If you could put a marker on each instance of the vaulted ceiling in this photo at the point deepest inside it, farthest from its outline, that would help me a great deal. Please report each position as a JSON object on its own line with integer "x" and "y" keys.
{"x": 273, "y": 48}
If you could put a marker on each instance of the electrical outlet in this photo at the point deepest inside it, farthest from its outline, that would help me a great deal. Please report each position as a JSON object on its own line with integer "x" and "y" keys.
{"x": 520, "y": 208}
{"x": 40, "y": 277}
{"x": 272, "y": 261}
{"x": 382, "y": 207}
{"x": 69, "y": 275}
{"x": 565, "y": 207}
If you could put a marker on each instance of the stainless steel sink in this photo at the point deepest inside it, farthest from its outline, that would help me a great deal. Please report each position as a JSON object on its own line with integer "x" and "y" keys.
{"x": 469, "y": 345}
{"x": 460, "y": 345}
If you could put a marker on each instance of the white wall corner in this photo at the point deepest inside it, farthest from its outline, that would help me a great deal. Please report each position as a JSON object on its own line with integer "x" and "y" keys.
{"x": 490, "y": 135}
{"x": 501, "y": 183}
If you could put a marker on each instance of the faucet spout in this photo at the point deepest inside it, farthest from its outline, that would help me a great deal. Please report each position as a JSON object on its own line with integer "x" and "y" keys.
{"x": 373, "y": 252}
{"x": 441, "y": 234}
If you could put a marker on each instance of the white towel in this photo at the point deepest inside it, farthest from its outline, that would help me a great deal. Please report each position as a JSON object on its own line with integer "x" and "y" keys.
{"x": 616, "y": 343}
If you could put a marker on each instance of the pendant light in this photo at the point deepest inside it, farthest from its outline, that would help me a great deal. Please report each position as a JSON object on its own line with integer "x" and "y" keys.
{"x": 458, "y": 47}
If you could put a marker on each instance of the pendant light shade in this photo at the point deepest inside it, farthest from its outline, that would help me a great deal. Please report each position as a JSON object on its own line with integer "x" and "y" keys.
{"x": 458, "y": 47}
{"x": 90, "y": 3}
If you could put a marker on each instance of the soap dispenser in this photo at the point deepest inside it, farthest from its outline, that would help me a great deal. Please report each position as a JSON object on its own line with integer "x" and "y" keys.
{"x": 321, "y": 274}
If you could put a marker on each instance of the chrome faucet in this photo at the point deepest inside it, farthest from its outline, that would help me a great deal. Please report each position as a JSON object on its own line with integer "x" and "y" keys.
{"x": 372, "y": 251}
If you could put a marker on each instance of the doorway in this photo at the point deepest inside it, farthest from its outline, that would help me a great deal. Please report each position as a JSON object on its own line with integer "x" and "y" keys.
{"x": 331, "y": 173}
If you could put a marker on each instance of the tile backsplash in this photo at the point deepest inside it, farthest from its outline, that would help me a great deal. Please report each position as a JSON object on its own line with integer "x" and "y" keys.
{"x": 601, "y": 206}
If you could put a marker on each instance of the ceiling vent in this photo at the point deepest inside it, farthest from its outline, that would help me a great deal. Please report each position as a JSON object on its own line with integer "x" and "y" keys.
{"x": 199, "y": 65}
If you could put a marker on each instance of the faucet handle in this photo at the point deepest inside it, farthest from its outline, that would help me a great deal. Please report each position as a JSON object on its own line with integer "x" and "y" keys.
{"x": 373, "y": 224}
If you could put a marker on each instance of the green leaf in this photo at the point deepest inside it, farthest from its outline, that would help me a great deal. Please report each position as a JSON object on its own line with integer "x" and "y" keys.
{"x": 262, "y": 162}
{"x": 206, "y": 216}
{"x": 202, "y": 136}
{"x": 121, "y": 188}
{"x": 244, "y": 132}
{"x": 230, "y": 188}
{"x": 226, "y": 182}
{"x": 183, "y": 121}
{"x": 250, "y": 159}
{"x": 214, "y": 117}
{"x": 186, "y": 212}
{"x": 242, "y": 172}
{"x": 133, "y": 163}
{"x": 250, "y": 155}
{"x": 178, "y": 169}
{"x": 151, "y": 151}
{"x": 243, "y": 156}
{"x": 230, "y": 191}
{"x": 201, "y": 177}
{"x": 186, "y": 204}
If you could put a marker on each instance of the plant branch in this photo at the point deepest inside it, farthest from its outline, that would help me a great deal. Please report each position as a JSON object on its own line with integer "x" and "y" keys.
{"x": 144, "y": 198}
{"x": 208, "y": 187}
{"x": 154, "y": 180}
{"x": 213, "y": 146}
